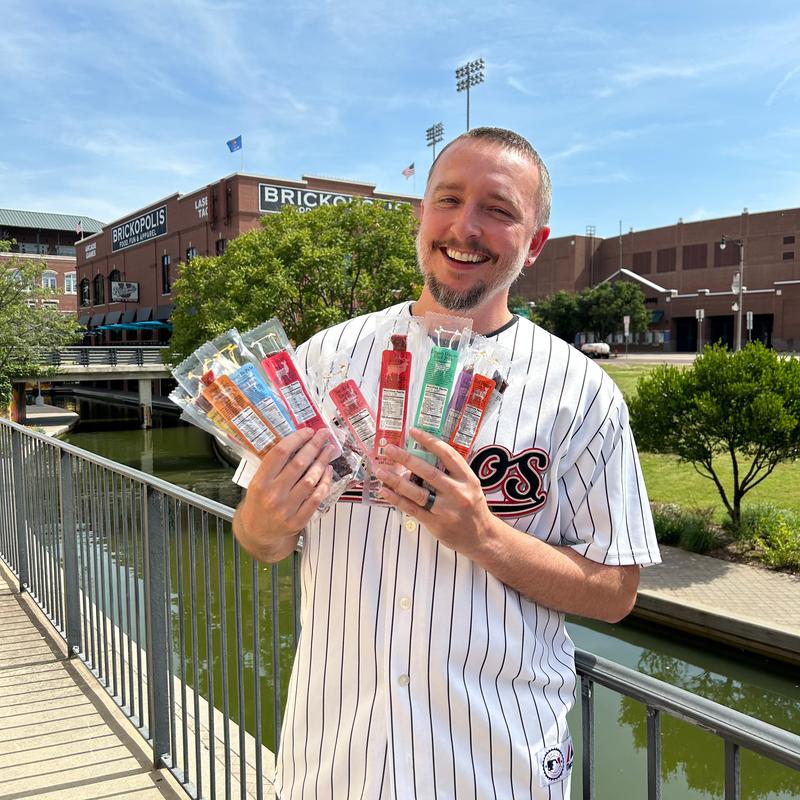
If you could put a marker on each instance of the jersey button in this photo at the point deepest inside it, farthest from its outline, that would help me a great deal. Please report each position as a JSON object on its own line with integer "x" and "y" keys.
{"x": 405, "y": 603}
{"x": 404, "y": 680}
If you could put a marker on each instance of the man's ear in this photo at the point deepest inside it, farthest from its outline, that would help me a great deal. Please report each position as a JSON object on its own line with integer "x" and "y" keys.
{"x": 536, "y": 245}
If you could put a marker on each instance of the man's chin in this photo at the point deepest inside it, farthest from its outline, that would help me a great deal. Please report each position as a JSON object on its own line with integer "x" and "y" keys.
{"x": 456, "y": 299}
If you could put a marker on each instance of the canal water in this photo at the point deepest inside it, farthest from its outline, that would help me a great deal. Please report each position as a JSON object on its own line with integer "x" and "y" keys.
{"x": 692, "y": 760}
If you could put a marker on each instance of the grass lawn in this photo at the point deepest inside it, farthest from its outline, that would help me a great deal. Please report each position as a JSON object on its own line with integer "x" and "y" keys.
{"x": 670, "y": 481}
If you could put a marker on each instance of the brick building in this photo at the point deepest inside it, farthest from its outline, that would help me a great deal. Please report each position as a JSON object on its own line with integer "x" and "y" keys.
{"x": 48, "y": 239}
{"x": 126, "y": 271}
{"x": 686, "y": 275}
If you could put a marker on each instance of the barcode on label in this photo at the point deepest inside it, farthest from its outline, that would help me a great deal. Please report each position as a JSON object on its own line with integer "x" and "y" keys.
{"x": 468, "y": 426}
{"x": 298, "y": 402}
{"x": 253, "y": 429}
{"x": 392, "y": 406}
{"x": 432, "y": 406}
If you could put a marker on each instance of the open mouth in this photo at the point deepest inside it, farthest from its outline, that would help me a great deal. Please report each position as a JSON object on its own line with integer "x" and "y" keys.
{"x": 464, "y": 257}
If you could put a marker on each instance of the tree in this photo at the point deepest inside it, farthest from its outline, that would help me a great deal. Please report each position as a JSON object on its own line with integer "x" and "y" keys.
{"x": 310, "y": 270}
{"x": 27, "y": 327}
{"x": 604, "y": 306}
{"x": 741, "y": 408}
{"x": 559, "y": 313}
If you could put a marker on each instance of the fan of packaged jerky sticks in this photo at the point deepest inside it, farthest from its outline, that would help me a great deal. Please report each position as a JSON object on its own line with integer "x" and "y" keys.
{"x": 249, "y": 391}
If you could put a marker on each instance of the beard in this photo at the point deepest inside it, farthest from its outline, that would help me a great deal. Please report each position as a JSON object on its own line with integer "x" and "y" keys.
{"x": 454, "y": 299}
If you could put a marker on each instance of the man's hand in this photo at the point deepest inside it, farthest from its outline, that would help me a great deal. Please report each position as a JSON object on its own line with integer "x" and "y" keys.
{"x": 292, "y": 480}
{"x": 557, "y": 577}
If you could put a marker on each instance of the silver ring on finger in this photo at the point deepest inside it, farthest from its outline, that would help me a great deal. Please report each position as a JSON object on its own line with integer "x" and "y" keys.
{"x": 430, "y": 500}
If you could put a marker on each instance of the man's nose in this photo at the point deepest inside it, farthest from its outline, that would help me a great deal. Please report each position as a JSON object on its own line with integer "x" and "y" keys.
{"x": 467, "y": 224}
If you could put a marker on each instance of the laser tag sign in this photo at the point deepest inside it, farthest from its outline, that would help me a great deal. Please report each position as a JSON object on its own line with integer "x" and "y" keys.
{"x": 272, "y": 199}
{"x": 146, "y": 226}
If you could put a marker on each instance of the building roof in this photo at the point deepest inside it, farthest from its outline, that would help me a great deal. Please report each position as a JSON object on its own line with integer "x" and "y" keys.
{"x": 11, "y": 218}
{"x": 632, "y": 276}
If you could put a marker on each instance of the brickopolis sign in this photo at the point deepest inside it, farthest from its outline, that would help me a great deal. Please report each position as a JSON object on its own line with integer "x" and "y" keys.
{"x": 272, "y": 198}
{"x": 146, "y": 226}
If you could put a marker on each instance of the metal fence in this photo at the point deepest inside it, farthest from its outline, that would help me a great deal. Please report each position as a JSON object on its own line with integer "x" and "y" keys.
{"x": 103, "y": 356}
{"x": 194, "y": 640}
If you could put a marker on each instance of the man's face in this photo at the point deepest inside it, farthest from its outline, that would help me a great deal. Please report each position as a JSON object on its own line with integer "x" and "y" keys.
{"x": 477, "y": 228}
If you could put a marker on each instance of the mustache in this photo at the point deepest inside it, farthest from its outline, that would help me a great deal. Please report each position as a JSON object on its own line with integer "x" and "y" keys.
{"x": 468, "y": 248}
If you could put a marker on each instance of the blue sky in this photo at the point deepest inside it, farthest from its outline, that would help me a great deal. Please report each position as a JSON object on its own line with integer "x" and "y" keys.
{"x": 644, "y": 111}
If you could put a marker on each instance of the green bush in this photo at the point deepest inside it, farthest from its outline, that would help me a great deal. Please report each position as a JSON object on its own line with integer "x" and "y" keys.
{"x": 690, "y": 529}
{"x": 772, "y": 533}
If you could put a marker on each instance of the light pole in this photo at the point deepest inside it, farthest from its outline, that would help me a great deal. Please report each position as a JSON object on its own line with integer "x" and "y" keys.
{"x": 435, "y": 134}
{"x": 739, "y": 291}
{"x": 700, "y": 315}
{"x": 469, "y": 74}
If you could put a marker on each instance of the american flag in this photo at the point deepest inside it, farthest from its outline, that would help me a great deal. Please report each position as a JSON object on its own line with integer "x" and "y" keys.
{"x": 409, "y": 170}
{"x": 79, "y": 228}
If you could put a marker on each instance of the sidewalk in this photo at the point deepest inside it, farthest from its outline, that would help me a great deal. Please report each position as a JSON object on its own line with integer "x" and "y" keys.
{"x": 746, "y": 606}
{"x": 51, "y": 420}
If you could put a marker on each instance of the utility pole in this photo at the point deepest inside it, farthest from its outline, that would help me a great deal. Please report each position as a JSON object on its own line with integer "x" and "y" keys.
{"x": 737, "y": 288}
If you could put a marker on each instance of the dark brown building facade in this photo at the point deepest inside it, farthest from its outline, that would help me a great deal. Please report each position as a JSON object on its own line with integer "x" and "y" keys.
{"x": 687, "y": 277}
{"x": 127, "y": 270}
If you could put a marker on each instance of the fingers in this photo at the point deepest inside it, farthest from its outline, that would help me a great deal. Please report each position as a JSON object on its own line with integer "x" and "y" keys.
{"x": 312, "y": 502}
{"x": 407, "y": 506}
{"x": 402, "y": 487}
{"x": 292, "y": 456}
{"x": 309, "y": 481}
{"x": 418, "y": 466}
{"x": 451, "y": 459}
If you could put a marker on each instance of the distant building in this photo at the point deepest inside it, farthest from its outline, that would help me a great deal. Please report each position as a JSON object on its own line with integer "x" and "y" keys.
{"x": 126, "y": 271}
{"x": 49, "y": 239}
{"x": 684, "y": 275}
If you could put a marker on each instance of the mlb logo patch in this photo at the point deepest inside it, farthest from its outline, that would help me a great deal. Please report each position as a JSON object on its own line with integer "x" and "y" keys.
{"x": 555, "y": 762}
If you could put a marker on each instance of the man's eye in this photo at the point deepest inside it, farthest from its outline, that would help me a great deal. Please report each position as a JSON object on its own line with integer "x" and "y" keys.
{"x": 501, "y": 211}
{"x": 448, "y": 200}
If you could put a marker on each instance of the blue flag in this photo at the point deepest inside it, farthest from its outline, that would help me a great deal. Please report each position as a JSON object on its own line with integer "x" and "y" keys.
{"x": 235, "y": 144}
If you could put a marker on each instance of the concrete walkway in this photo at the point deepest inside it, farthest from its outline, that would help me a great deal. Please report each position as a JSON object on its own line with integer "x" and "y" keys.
{"x": 62, "y": 736}
{"x": 50, "y": 420}
{"x": 746, "y": 606}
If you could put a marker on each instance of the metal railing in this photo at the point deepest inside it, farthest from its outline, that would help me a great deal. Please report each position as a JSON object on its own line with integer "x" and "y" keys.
{"x": 194, "y": 640}
{"x": 103, "y": 356}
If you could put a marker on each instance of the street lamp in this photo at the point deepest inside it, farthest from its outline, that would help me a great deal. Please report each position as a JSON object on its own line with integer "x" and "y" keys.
{"x": 738, "y": 289}
{"x": 435, "y": 134}
{"x": 467, "y": 75}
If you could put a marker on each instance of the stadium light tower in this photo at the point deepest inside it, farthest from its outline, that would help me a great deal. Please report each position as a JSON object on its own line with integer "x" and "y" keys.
{"x": 467, "y": 75}
{"x": 435, "y": 134}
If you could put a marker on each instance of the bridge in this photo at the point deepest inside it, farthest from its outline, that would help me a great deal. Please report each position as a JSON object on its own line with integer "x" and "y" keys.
{"x": 126, "y": 362}
{"x": 144, "y": 595}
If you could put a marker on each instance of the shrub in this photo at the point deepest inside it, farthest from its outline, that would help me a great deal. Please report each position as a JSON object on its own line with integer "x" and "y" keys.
{"x": 773, "y": 534}
{"x": 690, "y": 529}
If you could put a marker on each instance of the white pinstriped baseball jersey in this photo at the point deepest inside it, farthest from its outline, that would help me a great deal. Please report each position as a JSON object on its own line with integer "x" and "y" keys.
{"x": 420, "y": 675}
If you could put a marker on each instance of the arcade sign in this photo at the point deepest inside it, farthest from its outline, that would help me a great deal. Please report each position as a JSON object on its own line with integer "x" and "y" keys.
{"x": 90, "y": 250}
{"x": 149, "y": 225}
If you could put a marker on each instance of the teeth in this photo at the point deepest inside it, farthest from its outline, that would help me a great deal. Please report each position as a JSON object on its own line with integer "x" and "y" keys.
{"x": 470, "y": 258}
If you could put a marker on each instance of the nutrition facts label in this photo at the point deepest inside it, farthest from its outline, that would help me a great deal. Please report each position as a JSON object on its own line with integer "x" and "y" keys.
{"x": 364, "y": 427}
{"x": 298, "y": 402}
{"x": 250, "y": 425}
{"x": 269, "y": 408}
{"x": 432, "y": 407}
{"x": 392, "y": 407}
{"x": 468, "y": 426}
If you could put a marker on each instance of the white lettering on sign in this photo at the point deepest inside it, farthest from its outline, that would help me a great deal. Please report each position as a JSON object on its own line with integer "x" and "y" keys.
{"x": 201, "y": 207}
{"x": 91, "y": 250}
{"x": 272, "y": 199}
{"x": 146, "y": 226}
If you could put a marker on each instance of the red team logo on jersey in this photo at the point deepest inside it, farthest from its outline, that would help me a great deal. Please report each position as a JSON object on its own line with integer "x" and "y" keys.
{"x": 518, "y": 477}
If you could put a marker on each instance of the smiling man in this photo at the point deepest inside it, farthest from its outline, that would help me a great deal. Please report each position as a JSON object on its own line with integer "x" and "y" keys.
{"x": 434, "y": 660}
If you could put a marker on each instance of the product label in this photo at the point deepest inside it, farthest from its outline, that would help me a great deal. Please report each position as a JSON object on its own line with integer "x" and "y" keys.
{"x": 298, "y": 401}
{"x": 364, "y": 427}
{"x": 392, "y": 407}
{"x": 253, "y": 429}
{"x": 250, "y": 382}
{"x": 432, "y": 407}
{"x": 468, "y": 426}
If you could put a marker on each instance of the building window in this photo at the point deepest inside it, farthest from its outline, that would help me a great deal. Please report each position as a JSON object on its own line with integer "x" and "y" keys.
{"x": 113, "y": 277}
{"x": 788, "y": 256}
{"x": 99, "y": 290}
{"x": 220, "y": 246}
{"x": 70, "y": 283}
{"x": 85, "y": 292}
{"x": 49, "y": 280}
{"x": 166, "y": 283}
{"x": 788, "y": 239}
{"x": 642, "y": 263}
{"x": 695, "y": 256}
{"x": 50, "y": 304}
{"x": 190, "y": 254}
{"x": 666, "y": 260}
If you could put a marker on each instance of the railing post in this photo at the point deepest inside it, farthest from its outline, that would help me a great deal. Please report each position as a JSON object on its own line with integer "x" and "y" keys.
{"x": 69, "y": 537}
{"x": 653, "y": 753}
{"x": 587, "y": 719}
{"x": 733, "y": 783}
{"x": 155, "y": 587}
{"x": 19, "y": 509}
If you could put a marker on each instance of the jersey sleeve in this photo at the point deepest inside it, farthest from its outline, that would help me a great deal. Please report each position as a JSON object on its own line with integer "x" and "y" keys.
{"x": 605, "y": 514}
